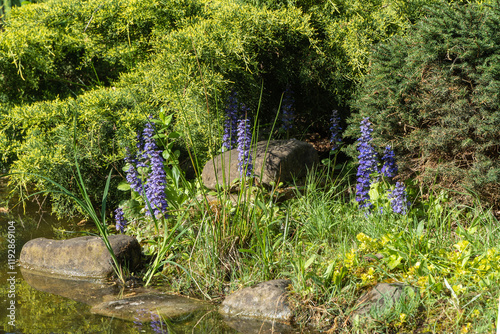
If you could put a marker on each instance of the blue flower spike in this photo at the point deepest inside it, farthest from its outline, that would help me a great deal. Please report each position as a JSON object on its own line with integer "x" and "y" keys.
{"x": 367, "y": 164}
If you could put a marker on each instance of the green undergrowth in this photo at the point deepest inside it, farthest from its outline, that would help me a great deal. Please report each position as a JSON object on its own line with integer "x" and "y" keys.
{"x": 333, "y": 252}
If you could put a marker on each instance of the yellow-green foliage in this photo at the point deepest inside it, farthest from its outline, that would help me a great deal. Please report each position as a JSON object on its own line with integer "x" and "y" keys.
{"x": 182, "y": 56}
{"x": 232, "y": 47}
{"x": 56, "y": 48}
{"x": 43, "y": 137}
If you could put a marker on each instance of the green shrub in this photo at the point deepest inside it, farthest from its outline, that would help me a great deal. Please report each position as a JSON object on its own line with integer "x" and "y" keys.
{"x": 182, "y": 56}
{"x": 434, "y": 96}
{"x": 232, "y": 47}
{"x": 196, "y": 53}
{"x": 59, "y": 48}
{"x": 43, "y": 144}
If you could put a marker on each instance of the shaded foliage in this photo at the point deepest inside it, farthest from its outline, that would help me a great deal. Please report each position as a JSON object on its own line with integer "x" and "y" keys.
{"x": 434, "y": 95}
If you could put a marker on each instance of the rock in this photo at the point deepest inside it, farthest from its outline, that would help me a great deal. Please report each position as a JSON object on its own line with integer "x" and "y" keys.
{"x": 284, "y": 160}
{"x": 380, "y": 298}
{"x": 82, "y": 257}
{"x": 139, "y": 307}
{"x": 266, "y": 300}
{"x": 373, "y": 258}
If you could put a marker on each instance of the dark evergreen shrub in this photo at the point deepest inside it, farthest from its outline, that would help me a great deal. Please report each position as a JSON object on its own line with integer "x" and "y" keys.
{"x": 434, "y": 95}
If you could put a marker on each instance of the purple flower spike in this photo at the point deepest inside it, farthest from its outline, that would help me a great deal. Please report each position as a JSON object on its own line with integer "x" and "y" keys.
{"x": 244, "y": 142}
{"x": 121, "y": 222}
{"x": 157, "y": 325}
{"x": 132, "y": 175}
{"x": 367, "y": 164}
{"x": 335, "y": 130}
{"x": 288, "y": 110}
{"x": 399, "y": 201}
{"x": 155, "y": 185}
{"x": 149, "y": 142}
{"x": 231, "y": 123}
{"x": 389, "y": 169}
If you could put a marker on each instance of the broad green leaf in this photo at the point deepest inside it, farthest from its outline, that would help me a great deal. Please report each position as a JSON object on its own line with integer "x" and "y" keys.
{"x": 124, "y": 186}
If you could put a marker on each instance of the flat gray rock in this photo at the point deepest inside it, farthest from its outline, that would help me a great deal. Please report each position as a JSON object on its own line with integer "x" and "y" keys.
{"x": 252, "y": 326}
{"x": 266, "y": 300}
{"x": 107, "y": 299}
{"x": 82, "y": 257}
{"x": 281, "y": 160}
{"x": 140, "y": 307}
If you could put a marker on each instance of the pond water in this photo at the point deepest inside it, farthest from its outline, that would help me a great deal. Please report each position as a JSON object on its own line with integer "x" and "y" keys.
{"x": 36, "y": 311}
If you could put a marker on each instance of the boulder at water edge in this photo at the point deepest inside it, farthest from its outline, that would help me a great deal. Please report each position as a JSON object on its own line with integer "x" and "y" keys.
{"x": 266, "y": 300}
{"x": 281, "y": 160}
{"x": 380, "y": 299}
{"x": 82, "y": 257}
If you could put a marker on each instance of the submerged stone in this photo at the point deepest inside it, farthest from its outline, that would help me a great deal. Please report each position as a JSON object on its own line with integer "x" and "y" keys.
{"x": 278, "y": 160}
{"x": 82, "y": 257}
{"x": 140, "y": 306}
{"x": 266, "y": 300}
{"x": 108, "y": 299}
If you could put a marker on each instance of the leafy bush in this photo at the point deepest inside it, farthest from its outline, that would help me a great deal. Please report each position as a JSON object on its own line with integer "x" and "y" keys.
{"x": 44, "y": 135}
{"x": 58, "y": 48}
{"x": 434, "y": 96}
{"x": 233, "y": 47}
{"x": 184, "y": 56}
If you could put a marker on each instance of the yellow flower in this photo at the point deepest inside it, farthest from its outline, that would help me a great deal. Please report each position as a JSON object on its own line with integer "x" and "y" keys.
{"x": 350, "y": 259}
{"x": 363, "y": 238}
{"x": 368, "y": 276}
{"x": 461, "y": 245}
{"x": 459, "y": 289}
{"x": 385, "y": 239}
{"x": 366, "y": 241}
{"x": 402, "y": 320}
{"x": 423, "y": 281}
{"x": 466, "y": 328}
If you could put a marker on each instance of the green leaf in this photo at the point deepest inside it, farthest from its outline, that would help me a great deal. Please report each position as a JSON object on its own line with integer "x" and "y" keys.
{"x": 420, "y": 228}
{"x": 174, "y": 135}
{"x": 310, "y": 261}
{"x": 124, "y": 186}
{"x": 394, "y": 261}
{"x": 250, "y": 251}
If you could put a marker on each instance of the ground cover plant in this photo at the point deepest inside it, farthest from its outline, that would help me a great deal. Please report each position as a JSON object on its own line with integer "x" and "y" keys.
{"x": 202, "y": 90}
